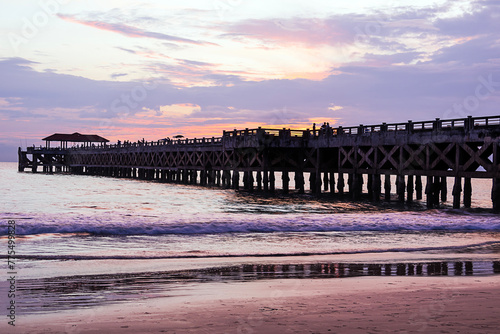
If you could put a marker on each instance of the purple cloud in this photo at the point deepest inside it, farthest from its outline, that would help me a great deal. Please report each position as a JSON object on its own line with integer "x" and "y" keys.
{"x": 390, "y": 87}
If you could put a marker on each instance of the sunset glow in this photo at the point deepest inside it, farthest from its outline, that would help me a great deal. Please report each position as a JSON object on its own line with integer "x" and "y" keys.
{"x": 127, "y": 71}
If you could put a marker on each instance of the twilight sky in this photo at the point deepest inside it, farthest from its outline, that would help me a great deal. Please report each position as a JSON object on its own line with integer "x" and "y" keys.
{"x": 128, "y": 70}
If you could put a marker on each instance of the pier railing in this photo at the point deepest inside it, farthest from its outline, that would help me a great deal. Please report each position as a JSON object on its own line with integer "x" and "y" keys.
{"x": 462, "y": 149}
{"x": 466, "y": 124}
{"x": 162, "y": 142}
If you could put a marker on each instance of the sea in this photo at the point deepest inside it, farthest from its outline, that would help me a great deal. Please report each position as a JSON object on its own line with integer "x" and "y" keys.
{"x": 86, "y": 241}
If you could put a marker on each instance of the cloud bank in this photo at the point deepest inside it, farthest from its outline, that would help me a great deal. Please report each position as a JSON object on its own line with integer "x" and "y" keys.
{"x": 412, "y": 65}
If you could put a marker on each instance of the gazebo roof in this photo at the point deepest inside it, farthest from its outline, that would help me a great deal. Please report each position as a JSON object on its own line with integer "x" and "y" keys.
{"x": 76, "y": 137}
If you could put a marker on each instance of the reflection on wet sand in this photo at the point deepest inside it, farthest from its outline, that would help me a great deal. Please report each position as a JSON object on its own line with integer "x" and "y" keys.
{"x": 52, "y": 294}
{"x": 337, "y": 270}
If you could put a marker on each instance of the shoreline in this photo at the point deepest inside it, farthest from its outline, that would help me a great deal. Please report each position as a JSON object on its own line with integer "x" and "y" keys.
{"x": 47, "y": 269}
{"x": 355, "y": 305}
{"x": 330, "y": 266}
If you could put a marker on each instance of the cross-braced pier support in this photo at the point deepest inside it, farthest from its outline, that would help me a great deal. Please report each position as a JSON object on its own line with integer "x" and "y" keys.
{"x": 394, "y": 157}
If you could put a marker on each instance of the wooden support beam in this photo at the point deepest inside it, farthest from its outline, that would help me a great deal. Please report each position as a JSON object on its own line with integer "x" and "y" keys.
{"x": 185, "y": 176}
{"x": 312, "y": 183}
{"x": 265, "y": 169}
{"x": 203, "y": 177}
{"x": 246, "y": 184}
{"x": 265, "y": 181}
{"x": 432, "y": 191}
{"x": 495, "y": 194}
{"x": 236, "y": 180}
{"x": 20, "y": 160}
{"x": 409, "y": 189}
{"x": 457, "y": 191}
{"x": 387, "y": 187}
{"x": 429, "y": 192}
{"x": 357, "y": 186}
{"x": 377, "y": 187}
{"x": 444, "y": 189}
{"x": 259, "y": 180}
{"x": 34, "y": 167}
{"x": 350, "y": 184}
{"x": 226, "y": 179}
{"x": 467, "y": 192}
{"x": 340, "y": 184}
{"x": 436, "y": 191}
{"x": 317, "y": 185}
{"x": 272, "y": 181}
{"x": 285, "y": 179}
{"x": 401, "y": 186}
{"x": 332, "y": 182}
{"x": 218, "y": 176}
{"x": 418, "y": 187}
{"x": 248, "y": 180}
{"x": 211, "y": 175}
{"x": 299, "y": 181}
{"x": 369, "y": 186}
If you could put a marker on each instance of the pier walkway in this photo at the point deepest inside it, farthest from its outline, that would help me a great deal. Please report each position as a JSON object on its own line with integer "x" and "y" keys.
{"x": 338, "y": 160}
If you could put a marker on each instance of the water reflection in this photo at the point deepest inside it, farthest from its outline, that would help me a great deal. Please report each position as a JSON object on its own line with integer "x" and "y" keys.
{"x": 338, "y": 270}
{"x": 52, "y": 294}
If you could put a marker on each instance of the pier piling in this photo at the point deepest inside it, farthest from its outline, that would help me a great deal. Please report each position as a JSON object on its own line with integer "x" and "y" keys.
{"x": 463, "y": 148}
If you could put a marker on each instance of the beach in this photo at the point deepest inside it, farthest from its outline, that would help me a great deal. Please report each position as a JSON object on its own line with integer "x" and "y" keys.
{"x": 106, "y": 255}
{"x": 247, "y": 167}
{"x": 351, "y": 305}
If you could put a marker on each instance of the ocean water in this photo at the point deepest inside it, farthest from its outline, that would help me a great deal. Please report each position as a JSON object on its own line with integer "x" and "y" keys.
{"x": 82, "y": 241}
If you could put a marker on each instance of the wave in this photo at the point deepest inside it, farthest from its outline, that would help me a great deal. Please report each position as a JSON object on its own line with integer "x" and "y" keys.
{"x": 243, "y": 223}
{"x": 476, "y": 246}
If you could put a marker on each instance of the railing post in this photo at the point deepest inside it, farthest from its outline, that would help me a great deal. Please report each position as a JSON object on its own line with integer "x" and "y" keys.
{"x": 282, "y": 133}
{"x": 437, "y": 124}
{"x": 409, "y": 126}
{"x": 361, "y": 129}
{"x": 469, "y": 123}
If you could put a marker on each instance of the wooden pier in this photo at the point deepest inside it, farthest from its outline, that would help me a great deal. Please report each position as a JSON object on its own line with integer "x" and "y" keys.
{"x": 336, "y": 160}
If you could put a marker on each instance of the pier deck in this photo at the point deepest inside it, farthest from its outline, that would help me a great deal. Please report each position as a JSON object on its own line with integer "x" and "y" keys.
{"x": 336, "y": 159}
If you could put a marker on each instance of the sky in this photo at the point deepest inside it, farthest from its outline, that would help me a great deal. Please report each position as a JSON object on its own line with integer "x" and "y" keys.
{"x": 128, "y": 70}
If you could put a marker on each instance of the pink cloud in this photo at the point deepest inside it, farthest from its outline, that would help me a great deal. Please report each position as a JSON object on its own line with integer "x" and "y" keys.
{"x": 310, "y": 32}
{"x": 130, "y": 31}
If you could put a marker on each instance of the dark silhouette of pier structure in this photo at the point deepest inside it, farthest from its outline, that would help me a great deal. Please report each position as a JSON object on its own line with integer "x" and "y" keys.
{"x": 346, "y": 161}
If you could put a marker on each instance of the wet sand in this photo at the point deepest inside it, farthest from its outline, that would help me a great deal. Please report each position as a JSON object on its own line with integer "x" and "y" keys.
{"x": 345, "y": 305}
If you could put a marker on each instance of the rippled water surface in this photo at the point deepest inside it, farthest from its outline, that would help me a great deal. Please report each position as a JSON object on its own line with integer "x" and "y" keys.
{"x": 70, "y": 225}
